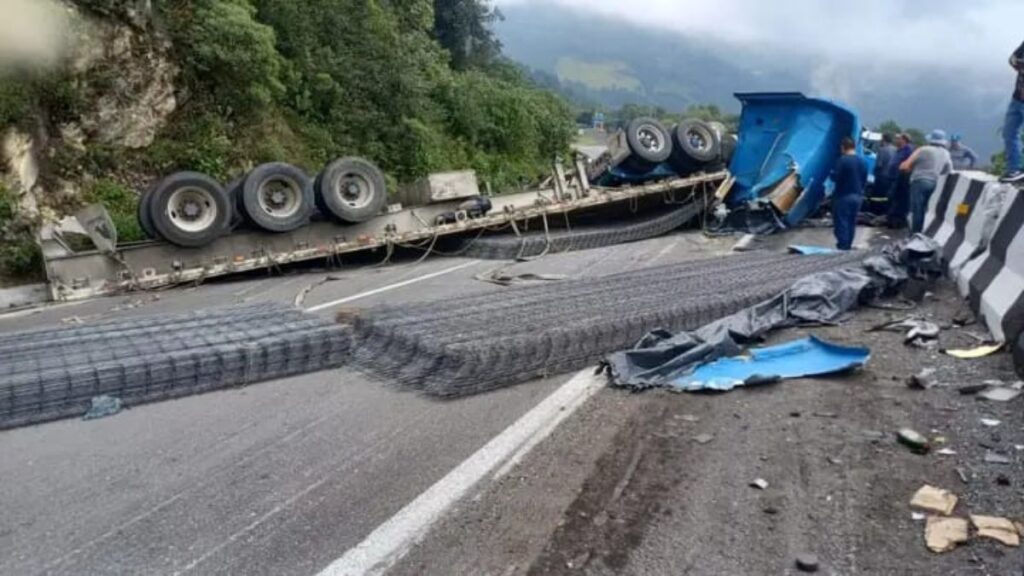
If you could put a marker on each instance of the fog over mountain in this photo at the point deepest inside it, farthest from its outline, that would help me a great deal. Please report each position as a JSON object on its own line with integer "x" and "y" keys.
{"x": 941, "y": 67}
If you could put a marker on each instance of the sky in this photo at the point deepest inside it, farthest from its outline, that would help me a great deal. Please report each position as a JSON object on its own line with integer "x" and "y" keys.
{"x": 979, "y": 34}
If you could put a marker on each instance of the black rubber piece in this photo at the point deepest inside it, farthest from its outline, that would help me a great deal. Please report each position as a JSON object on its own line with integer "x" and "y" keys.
{"x": 532, "y": 244}
{"x": 695, "y": 143}
{"x": 144, "y": 216}
{"x": 297, "y": 183}
{"x": 641, "y": 154}
{"x": 234, "y": 192}
{"x": 333, "y": 181}
{"x": 165, "y": 226}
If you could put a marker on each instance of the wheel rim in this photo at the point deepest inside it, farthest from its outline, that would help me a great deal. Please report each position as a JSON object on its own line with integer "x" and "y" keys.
{"x": 650, "y": 137}
{"x": 354, "y": 190}
{"x": 698, "y": 140}
{"x": 192, "y": 209}
{"x": 280, "y": 197}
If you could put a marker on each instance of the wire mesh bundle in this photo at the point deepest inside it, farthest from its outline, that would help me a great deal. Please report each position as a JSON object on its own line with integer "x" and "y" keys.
{"x": 483, "y": 342}
{"x": 153, "y": 358}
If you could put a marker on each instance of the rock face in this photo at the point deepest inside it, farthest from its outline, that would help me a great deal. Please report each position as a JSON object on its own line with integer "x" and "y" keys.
{"x": 124, "y": 65}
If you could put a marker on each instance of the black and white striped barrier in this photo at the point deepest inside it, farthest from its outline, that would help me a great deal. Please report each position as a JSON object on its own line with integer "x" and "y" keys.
{"x": 980, "y": 225}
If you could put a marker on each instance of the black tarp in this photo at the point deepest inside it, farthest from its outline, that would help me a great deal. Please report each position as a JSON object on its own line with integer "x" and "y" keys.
{"x": 823, "y": 298}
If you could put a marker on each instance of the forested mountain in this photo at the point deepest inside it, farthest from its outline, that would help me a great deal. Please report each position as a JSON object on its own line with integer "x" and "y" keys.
{"x": 609, "y": 62}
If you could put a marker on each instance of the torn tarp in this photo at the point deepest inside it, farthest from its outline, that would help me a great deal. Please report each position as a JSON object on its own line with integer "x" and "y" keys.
{"x": 796, "y": 359}
{"x": 824, "y": 298}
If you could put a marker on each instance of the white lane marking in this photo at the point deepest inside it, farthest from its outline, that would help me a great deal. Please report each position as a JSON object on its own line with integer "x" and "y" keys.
{"x": 391, "y": 287}
{"x": 394, "y": 538}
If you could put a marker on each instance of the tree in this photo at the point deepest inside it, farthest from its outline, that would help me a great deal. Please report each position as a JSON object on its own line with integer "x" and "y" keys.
{"x": 463, "y": 28}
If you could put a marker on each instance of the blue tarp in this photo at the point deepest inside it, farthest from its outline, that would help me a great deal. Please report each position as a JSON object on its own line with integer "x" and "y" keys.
{"x": 796, "y": 359}
{"x": 811, "y": 250}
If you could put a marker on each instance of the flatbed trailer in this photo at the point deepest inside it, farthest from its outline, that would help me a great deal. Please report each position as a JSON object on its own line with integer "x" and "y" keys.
{"x": 77, "y": 274}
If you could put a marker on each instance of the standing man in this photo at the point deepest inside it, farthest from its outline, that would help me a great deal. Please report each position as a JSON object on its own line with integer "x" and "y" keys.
{"x": 884, "y": 168}
{"x": 1015, "y": 122}
{"x": 963, "y": 157}
{"x": 899, "y": 200}
{"x": 850, "y": 176}
{"x": 925, "y": 166}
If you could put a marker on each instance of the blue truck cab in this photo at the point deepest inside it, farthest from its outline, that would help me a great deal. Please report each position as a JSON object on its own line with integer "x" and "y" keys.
{"x": 788, "y": 140}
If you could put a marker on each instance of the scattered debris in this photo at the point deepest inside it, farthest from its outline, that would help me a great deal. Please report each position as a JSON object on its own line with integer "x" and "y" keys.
{"x": 501, "y": 278}
{"x": 972, "y": 389}
{"x": 103, "y": 406}
{"x": 991, "y": 423}
{"x": 1003, "y": 480}
{"x": 760, "y": 484}
{"x": 796, "y": 359}
{"x": 300, "y": 297}
{"x": 963, "y": 476}
{"x": 934, "y": 499}
{"x": 704, "y": 438}
{"x": 918, "y": 516}
{"x": 999, "y": 394}
{"x": 834, "y": 461}
{"x": 917, "y": 443}
{"x": 999, "y": 529}
{"x": 810, "y": 250}
{"x": 946, "y": 452}
{"x": 745, "y": 243}
{"x": 826, "y": 415}
{"x": 689, "y": 418}
{"x": 944, "y": 534}
{"x": 922, "y": 332}
{"x": 807, "y": 563}
{"x": 923, "y": 380}
{"x": 975, "y": 353}
{"x": 994, "y": 458}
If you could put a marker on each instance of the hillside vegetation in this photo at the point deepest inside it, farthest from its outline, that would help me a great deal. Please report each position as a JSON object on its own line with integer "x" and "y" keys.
{"x": 221, "y": 85}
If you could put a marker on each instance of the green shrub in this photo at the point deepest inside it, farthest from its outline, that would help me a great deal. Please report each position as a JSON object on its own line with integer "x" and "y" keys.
{"x": 122, "y": 204}
{"x": 19, "y": 254}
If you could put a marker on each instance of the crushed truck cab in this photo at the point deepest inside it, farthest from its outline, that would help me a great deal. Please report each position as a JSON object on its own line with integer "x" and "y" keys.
{"x": 788, "y": 145}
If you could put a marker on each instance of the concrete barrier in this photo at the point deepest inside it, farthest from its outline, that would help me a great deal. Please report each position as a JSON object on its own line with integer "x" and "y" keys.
{"x": 980, "y": 225}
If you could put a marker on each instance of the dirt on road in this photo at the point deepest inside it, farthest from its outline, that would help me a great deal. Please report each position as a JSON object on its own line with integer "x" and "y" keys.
{"x": 660, "y": 483}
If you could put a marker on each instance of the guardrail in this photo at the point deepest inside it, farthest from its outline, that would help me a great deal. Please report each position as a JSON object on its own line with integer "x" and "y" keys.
{"x": 980, "y": 225}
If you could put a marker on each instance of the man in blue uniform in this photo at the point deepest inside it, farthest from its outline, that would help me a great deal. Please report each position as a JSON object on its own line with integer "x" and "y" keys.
{"x": 850, "y": 176}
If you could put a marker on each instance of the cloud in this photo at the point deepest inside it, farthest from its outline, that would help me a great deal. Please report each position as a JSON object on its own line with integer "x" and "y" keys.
{"x": 979, "y": 34}
{"x": 32, "y": 32}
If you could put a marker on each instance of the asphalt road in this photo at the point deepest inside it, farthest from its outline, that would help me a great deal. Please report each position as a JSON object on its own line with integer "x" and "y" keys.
{"x": 277, "y": 478}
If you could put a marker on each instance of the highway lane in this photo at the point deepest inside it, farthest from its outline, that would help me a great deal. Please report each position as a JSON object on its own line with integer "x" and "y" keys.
{"x": 276, "y": 478}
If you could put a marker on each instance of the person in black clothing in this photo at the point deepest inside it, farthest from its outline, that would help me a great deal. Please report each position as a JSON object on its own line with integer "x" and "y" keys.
{"x": 1015, "y": 122}
{"x": 850, "y": 176}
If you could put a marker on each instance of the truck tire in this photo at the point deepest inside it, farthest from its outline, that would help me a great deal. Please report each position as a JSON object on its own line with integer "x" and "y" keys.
{"x": 352, "y": 190}
{"x": 234, "y": 191}
{"x": 189, "y": 209}
{"x": 729, "y": 144}
{"x": 276, "y": 197}
{"x": 649, "y": 142}
{"x": 696, "y": 142}
{"x": 144, "y": 216}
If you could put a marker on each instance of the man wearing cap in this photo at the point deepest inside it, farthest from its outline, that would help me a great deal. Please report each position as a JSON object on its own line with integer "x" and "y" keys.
{"x": 963, "y": 157}
{"x": 1015, "y": 122}
{"x": 925, "y": 166}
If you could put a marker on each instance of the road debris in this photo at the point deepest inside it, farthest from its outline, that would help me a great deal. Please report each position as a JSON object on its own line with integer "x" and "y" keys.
{"x": 917, "y": 443}
{"x": 923, "y": 380}
{"x": 103, "y": 406}
{"x": 944, "y": 534}
{"x": 975, "y": 353}
{"x": 999, "y": 394}
{"x": 759, "y": 483}
{"x": 972, "y": 389}
{"x": 946, "y": 452}
{"x": 704, "y": 438}
{"x": 796, "y": 359}
{"x": 810, "y": 250}
{"x": 994, "y": 458}
{"x": 300, "y": 297}
{"x": 807, "y": 563}
{"x": 990, "y": 422}
{"x": 502, "y": 278}
{"x": 999, "y": 529}
{"x": 934, "y": 499}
